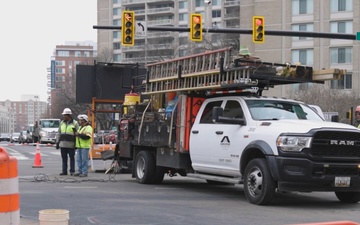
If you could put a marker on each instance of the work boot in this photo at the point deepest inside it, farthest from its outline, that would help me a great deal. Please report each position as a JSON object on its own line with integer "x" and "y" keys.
{"x": 77, "y": 174}
{"x": 63, "y": 174}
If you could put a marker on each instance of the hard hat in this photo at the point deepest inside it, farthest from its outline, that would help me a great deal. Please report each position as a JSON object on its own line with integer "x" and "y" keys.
{"x": 66, "y": 111}
{"x": 357, "y": 108}
{"x": 83, "y": 117}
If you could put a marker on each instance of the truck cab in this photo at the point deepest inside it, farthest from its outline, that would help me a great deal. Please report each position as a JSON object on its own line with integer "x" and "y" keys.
{"x": 48, "y": 129}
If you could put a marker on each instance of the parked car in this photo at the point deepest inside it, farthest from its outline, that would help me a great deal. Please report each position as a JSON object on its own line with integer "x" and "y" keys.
{"x": 111, "y": 137}
{"x": 15, "y": 137}
{"x": 25, "y": 137}
{"x": 4, "y": 137}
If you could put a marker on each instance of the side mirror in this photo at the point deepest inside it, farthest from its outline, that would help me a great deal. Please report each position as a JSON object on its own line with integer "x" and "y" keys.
{"x": 216, "y": 113}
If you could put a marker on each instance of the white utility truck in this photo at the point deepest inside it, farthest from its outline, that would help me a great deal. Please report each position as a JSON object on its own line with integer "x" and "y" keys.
{"x": 223, "y": 130}
{"x": 48, "y": 130}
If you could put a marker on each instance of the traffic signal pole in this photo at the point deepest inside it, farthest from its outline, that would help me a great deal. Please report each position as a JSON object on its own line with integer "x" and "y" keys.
{"x": 245, "y": 31}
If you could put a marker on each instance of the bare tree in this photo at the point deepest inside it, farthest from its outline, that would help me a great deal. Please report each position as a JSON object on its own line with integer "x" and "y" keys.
{"x": 329, "y": 100}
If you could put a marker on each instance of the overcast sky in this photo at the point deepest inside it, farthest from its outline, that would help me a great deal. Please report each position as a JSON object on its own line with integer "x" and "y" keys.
{"x": 30, "y": 30}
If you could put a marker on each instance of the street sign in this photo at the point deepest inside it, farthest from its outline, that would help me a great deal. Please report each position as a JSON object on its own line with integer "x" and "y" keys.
{"x": 140, "y": 29}
{"x": 358, "y": 36}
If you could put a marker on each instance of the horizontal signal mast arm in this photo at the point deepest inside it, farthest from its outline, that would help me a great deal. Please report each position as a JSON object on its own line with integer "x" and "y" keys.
{"x": 245, "y": 31}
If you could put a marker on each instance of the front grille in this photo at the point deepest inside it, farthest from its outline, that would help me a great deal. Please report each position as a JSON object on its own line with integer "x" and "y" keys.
{"x": 336, "y": 145}
{"x": 51, "y": 134}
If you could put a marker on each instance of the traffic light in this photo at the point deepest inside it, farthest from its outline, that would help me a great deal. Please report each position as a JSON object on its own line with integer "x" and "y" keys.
{"x": 196, "y": 27}
{"x": 128, "y": 28}
{"x": 258, "y": 29}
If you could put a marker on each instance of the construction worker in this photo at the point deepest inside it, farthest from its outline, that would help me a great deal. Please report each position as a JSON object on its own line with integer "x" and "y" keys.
{"x": 82, "y": 144}
{"x": 357, "y": 116}
{"x": 65, "y": 140}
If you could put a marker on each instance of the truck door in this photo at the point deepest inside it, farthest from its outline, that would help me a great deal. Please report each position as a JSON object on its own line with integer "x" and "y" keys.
{"x": 216, "y": 147}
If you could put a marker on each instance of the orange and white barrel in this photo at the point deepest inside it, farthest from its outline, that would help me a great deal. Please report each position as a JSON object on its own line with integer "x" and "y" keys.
{"x": 9, "y": 191}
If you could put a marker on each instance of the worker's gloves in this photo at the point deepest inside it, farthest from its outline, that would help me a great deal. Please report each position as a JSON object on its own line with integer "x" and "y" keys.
{"x": 57, "y": 146}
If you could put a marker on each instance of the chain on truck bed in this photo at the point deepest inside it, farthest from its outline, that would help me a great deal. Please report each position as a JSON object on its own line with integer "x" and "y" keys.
{"x": 218, "y": 70}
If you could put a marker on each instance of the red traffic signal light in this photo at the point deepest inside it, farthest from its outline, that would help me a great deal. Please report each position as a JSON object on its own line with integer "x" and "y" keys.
{"x": 196, "y": 27}
{"x": 258, "y": 29}
{"x": 128, "y": 28}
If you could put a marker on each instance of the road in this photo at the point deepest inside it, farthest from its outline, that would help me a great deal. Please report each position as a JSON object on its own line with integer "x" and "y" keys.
{"x": 115, "y": 199}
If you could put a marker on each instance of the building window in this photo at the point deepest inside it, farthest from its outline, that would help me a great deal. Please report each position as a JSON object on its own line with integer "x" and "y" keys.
{"x": 77, "y": 53}
{"x": 116, "y": 22}
{"x": 63, "y": 53}
{"x": 304, "y": 56}
{"x": 182, "y": 52}
{"x": 116, "y": 12}
{"x": 341, "y": 27}
{"x": 60, "y": 63}
{"x": 86, "y": 53}
{"x": 199, "y": 3}
{"x": 341, "y": 55}
{"x": 116, "y": 34}
{"x": 116, "y": 45}
{"x": 117, "y": 57}
{"x": 115, "y": 1}
{"x": 340, "y": 5}
{"x": 183, "y": 5}
{"x": 216, "y": 13}
{"x": 302, "y": 7}
{"x": 344, "y": 83}
{"x": 183, "y": 17}
{"x": 302, "y": 27}
{"x": 59, "y": 70}
{"x": 216, "y": 2}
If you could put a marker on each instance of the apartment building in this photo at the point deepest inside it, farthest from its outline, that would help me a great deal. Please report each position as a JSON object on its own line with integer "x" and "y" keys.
{"x": 161, "y": 45}
{"x": 17, "y": 115}
{"x": 62, "y": 72}
{"x": 335, "y": 16}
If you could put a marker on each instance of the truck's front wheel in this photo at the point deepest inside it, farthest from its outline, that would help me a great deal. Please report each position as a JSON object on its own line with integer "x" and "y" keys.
{"x": 348, "y": 197}
{"x": 145, "y": 167}
{"x": 259, "y": 186}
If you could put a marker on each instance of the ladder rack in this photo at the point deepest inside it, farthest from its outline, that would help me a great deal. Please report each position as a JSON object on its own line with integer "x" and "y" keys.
{"x": 217, "y": 70}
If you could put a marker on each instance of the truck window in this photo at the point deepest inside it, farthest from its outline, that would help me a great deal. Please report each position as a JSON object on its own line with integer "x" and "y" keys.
{"x": 275, "y": 110}
{"x": 206, "y": 116}
{"x": 233, "y": 109}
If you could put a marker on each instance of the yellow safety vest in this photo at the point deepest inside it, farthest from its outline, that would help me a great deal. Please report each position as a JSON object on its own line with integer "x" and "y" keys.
{"x": 82, "y": 143}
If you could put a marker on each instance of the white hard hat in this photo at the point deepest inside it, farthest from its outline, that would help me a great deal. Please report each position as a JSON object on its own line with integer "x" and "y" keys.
{"x": 357, "y": 108}
{"x": 66, "y": 111}
{"x": 83, "y": 117}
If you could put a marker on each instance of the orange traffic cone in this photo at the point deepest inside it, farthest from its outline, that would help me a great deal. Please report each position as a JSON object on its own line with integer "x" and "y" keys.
{"x": 37, "y": 161}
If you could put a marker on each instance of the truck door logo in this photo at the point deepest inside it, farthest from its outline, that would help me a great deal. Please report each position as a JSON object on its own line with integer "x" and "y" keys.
{"x": 225, "y": 141}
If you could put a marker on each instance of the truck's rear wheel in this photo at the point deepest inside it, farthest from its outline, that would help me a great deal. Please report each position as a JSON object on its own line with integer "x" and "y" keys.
{"x": 145, "y": 167}
{"x": 348, "y": 197}
{"x": 259, "y": 186}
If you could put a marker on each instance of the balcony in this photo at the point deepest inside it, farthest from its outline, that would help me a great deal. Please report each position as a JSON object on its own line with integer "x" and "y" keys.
{"x": 232, "y": 16}
{"x": 132, "y": 2}
{"x": 165, "y": 10}
{"x": 136, "y": 48}
{"x": 160, "y": 22}
{"x": 231, "y": 3}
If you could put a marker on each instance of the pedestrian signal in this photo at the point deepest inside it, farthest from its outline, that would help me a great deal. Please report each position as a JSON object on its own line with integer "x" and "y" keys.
{"x": 196, "y": 27}
{"x": 128, "y": 28}
{"x": 258, "y": 29}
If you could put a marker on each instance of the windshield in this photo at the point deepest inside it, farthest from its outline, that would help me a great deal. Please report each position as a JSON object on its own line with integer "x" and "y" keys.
{"x": 277, "y": 109}
{"x": 50, "y": 123}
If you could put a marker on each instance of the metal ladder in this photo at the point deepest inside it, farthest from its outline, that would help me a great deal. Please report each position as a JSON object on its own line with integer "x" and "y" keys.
{"x": 196, "y": 72}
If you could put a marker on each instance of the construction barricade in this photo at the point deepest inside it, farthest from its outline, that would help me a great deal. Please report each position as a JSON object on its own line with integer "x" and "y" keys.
{"x": 9, "y": 191}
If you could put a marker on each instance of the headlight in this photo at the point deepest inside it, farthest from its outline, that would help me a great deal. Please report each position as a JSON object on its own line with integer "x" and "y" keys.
{"x": 43, "y": 133}
{"x": 293, "y": 143}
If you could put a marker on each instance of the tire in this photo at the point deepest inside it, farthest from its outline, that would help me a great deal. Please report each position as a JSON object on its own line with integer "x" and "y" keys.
{"x": 159, "y": 175}
{"x": 348, "y": 197}
{"x": 145, "y": 168}
{"x": 259, "y": 186}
